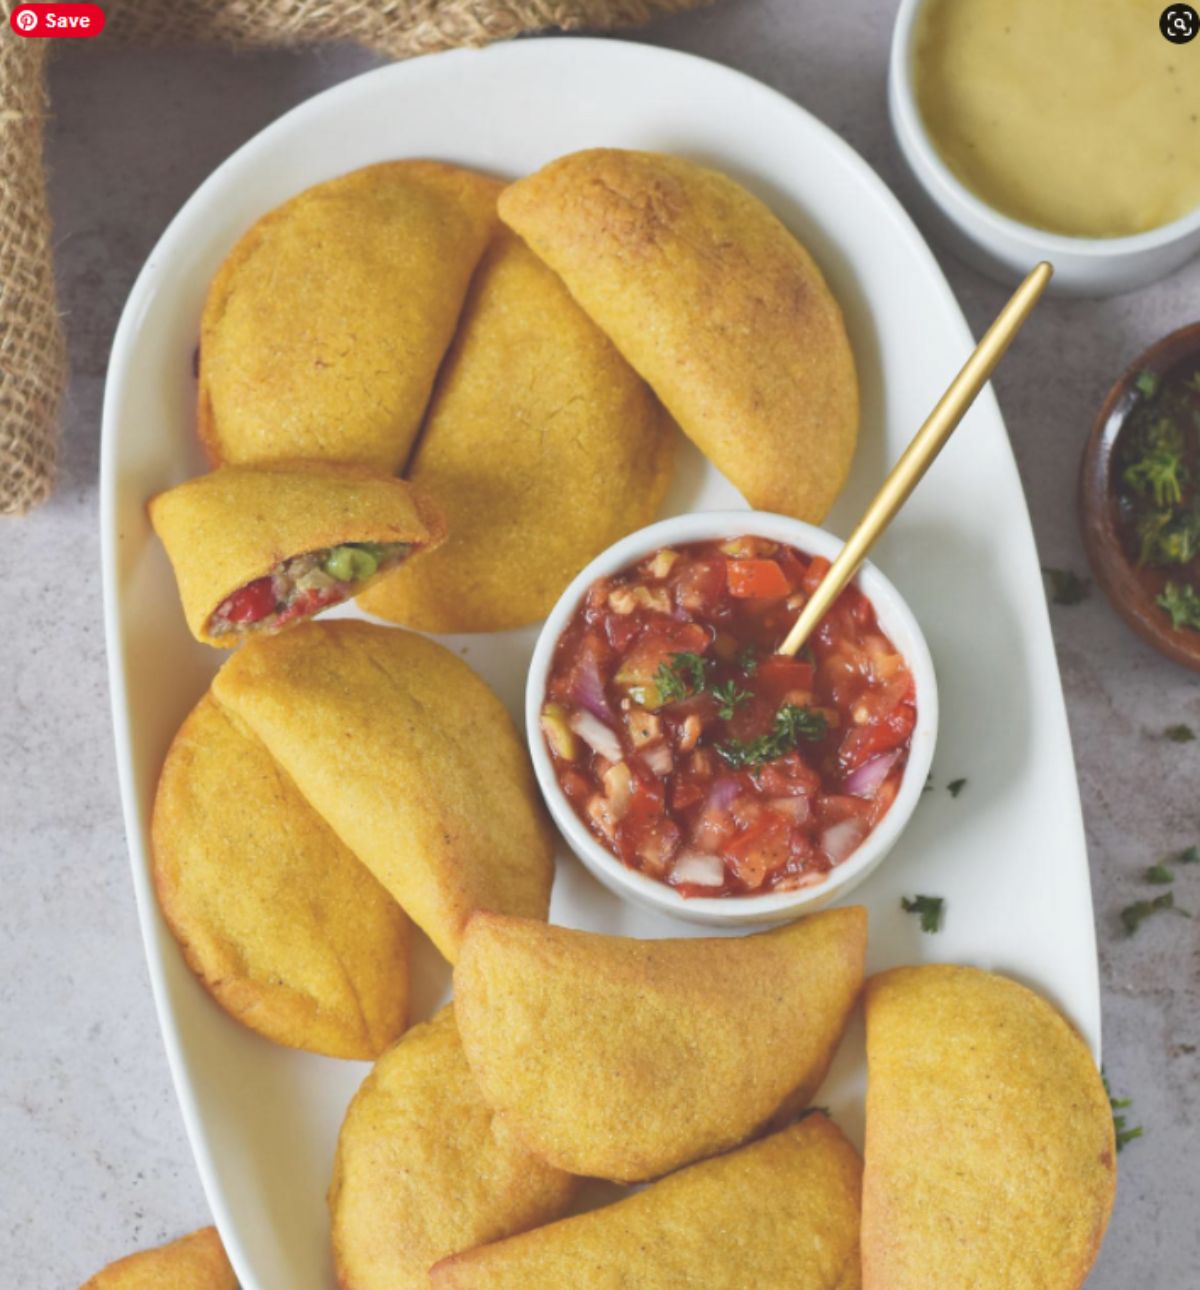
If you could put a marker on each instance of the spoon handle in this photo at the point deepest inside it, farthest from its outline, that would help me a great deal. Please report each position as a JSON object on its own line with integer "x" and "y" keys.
{"x": 918, "y": 456}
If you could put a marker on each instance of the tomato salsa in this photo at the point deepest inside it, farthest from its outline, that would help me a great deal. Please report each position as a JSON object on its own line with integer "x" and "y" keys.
{"x": 698, "y": 755}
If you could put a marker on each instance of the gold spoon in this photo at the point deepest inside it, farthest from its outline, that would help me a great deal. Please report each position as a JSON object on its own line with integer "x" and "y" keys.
{"x": 918, "y": 456}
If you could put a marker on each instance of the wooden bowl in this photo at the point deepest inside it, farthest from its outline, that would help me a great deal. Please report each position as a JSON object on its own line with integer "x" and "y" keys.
{"x": 1098, "y": 517}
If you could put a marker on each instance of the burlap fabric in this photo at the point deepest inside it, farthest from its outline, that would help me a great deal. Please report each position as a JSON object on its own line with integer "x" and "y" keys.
{"x": 32, "y": 365}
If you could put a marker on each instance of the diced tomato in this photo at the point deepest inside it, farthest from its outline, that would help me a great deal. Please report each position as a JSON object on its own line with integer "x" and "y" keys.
{"x": 756, "y": 580}
{"x": 622, "y": 630}
{"x": 861, "y": 743}
{"x": 760, "y": 850}
{"x": 699, "y": 585}
{"x": 685, "y": 794}
{"x": 778, "y": 675}
{"x": 789, "y": 776}
{"x": 576, "y": 786}
{"x": 251, "y": 603}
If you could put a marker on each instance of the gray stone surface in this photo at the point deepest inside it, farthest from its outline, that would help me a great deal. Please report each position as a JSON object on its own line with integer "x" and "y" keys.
{"x": 95, "y": 1159}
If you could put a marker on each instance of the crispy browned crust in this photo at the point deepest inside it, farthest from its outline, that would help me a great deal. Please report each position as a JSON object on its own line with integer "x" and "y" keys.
{"x": 624, "y": 1059}
{"x": 782, "y": 1212}
{"x": 283, "y": 926}
{"x": 990, "y": 1151}
{"x": 423, "y": 1170}
{"x": 542, "y": 443}
{"x": 714, "y": 301}
{"x": 411, "y": 759}
{"x": 323, "y": 329}
{"x": 227, "y": 528}
{"x": 194, "y": 1262}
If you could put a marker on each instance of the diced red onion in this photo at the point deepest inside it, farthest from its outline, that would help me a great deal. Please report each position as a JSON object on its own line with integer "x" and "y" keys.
{"x": 659, "y": 759}
{"x": 842, "y": 838}
{"x": 865, "y": 781}
{"x": 587, "y": 690}
{"x": 596, "y": 735}
{"x": 696, "y": 867}
{"x": 724, "y": 789}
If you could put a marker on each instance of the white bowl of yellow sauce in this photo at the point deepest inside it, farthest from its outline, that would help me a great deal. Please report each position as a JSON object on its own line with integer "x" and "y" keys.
{"x": 1064, "y": 130}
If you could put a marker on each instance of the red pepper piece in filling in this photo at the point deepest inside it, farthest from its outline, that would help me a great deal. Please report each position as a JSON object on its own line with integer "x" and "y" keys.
{"x": 308, "y": 602}
{"x": 251, "y": 603}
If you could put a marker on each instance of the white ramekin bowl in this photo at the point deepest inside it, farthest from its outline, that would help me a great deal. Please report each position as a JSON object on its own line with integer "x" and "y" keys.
{"x": 1004, "y": 248}
{"x": 895, "y": 619}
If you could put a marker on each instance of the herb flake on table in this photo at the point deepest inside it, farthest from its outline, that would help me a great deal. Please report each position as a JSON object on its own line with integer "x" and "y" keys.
{"x": 1189, "y": 855}
{"x": 1182, "y": 604}
{"x": 1180, "y": 734}
{"x": 1158, "y": 874}
{"x": 956, "y": 786}
{"x": 1066, "y": 586}
{"x": 1123, "y": 1135}
{"x": 792, "y": 724}
{"x": 930, "y": 908}
{"x": 1133, "y": 916}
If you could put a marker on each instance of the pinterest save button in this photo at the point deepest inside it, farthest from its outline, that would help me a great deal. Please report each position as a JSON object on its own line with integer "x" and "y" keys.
{"x": 42, "y": 20}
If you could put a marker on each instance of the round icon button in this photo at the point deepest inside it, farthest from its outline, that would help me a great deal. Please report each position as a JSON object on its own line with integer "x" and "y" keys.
{"x": 1179, "y": 23}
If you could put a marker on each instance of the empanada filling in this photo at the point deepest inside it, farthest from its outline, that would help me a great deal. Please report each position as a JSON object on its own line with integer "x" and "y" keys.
{"x": 304, "y": 585}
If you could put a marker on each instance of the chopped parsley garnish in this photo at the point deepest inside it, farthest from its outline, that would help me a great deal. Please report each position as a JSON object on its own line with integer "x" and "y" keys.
{"x": 929, "y": 907}
{"x": 1169, "y": 537}
{"x": 1180, "y": 734}
{"x": 1160, "y": 470}
{"x": 1066, "y": 586}
{"x": 1147, "y": 384}
{"x": 1191, "y": 855}
{"x": 1132, "y": 916}
{"x": 791, "y": 724}
{"x": 680, "y": 677}
{"x": 1123, "y": 1135}
{"x": 956, "y": 786}
{"x": 1182, "y": 604}
{"x": 747, "y": 660}
{"x": 728, "y": 696}
{"x": 1158, "y": 874}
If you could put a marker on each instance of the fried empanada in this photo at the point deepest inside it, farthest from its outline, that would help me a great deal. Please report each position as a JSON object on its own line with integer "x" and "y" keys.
{"x": 990, "y": 1156}
{"x": 288, "y": 931}
{"x": 194, "y": 1262}
{"x": 544, "y": 445}
{"x": 715, "y": 303}
{"x": 323, "y": 329}
{"x": 410, "y": 757}
{"x": 424, "y": 1170}
{"x": 782, "y": 1212}
{"x": 623, "y": 1059}
{"x": 256, "y": 548}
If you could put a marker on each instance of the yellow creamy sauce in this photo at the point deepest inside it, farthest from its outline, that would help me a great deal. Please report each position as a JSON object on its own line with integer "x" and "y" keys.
{"x": 1073, "y": 115}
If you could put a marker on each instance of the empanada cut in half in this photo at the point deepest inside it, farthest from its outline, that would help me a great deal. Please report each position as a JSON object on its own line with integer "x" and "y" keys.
{"x": 716, "y": 303}
{"x": 624, "y": 1059}
{"x": 541, "y": 442}
{"x": 990, "y": 1154}
{"x": 258, "y": 548}
{"x": 782, "y": 1212}
{"x": 323, "y": 329}
{"x": 410, "y": 758}
{"x": 194, "y": 1262}
{"x": 423, "y": 1169}
{"x": 286, "y": 929}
